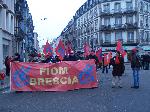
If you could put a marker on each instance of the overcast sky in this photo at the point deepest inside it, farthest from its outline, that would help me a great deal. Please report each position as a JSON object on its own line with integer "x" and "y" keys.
{"x": 58, "y": 14}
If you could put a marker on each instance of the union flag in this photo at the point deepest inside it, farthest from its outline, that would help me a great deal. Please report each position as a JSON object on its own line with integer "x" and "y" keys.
{"x": 86, "y": 49}
{"x": 99, "y": 54}
{"x": 120, "y": 48}
{"x": 68, "y": 48}
{"x": 48, "y": 49}
{"x": 60, "y": 50}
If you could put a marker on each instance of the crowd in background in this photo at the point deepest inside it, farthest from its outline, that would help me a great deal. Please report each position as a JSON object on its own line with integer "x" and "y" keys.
{"x": 117, "y": 62}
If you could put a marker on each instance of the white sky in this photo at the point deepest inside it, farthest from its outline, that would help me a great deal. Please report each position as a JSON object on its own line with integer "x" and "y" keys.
{"x": 58, "y": 14}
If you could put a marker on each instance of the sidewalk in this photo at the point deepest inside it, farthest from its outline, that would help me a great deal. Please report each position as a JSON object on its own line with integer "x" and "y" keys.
{"x": 6, "y": 84}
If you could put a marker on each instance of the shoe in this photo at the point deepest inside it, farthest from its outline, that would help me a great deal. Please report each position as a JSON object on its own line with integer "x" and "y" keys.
{"x": 120, "y": 86}
{"x": 135, "y": 87}
{"x": 132, "y": 86}
{"x": 113, "y": 87}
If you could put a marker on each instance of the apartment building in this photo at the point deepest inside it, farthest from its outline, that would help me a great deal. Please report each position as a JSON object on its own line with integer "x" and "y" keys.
{"x": 6, "y": 29}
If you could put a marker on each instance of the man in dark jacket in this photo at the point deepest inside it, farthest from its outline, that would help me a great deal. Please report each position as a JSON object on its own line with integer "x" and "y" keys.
{"x": 17, "y": 57}
{"x": 135, "y": 65}
{"x": 72, "y": 57}
{"x": 93, "y": 56}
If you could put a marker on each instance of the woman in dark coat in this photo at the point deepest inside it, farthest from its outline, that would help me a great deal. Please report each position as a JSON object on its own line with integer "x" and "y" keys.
{"x": 7, "y": 64}
{"x": 118, "y": 69}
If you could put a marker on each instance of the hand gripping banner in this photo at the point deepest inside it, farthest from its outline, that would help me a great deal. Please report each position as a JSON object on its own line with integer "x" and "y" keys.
{"x": 63, "y": 76}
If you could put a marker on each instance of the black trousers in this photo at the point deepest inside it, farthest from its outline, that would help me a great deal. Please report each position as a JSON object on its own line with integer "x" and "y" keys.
{"x": 105, "y": 68}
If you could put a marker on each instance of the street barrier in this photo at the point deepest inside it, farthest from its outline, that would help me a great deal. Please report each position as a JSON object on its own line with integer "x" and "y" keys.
{"x": 62, "y": 76}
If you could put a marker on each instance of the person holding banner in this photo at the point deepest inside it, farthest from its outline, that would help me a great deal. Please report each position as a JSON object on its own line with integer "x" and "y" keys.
{"x": 93, "y": 56}
{"x": 72, "y": 57}
{"x": 118, "y": 69}
{"x": 16, "y": 57}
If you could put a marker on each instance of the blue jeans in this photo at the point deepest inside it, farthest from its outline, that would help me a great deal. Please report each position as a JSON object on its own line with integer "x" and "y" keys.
{"x": 136, "y": 76}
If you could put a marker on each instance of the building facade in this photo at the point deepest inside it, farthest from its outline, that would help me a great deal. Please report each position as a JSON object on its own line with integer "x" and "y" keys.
{"x": 6, "y": 29}
{"x": 101, "y": 23}
{"x": 36, "y": 42}
{"x": 24, "y": 36}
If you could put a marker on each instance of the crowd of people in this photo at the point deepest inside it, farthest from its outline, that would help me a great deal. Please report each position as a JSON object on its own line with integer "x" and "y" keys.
{"x": 117, "y": 62}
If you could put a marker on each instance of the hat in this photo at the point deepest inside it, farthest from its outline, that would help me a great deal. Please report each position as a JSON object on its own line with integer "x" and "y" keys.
{"x": 134, "y": 50}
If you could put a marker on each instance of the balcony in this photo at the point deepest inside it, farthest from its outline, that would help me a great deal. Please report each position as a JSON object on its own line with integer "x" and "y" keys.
{"x": 131, "y": 43}
{"x": 108, "y": 44}
{"x": 18, "y": 12}
{"x": 19, "y": 34}
{"x": 116, "y": 12}
{"x": 1, "y": 3}
{"x": 131, "y": 25}
{"x": 118, "y": 27}
{"x": 105, "y": 13}
{"x": 4, "y": 4}
{"x": 106, "y": 28}
{"x": 130, "y": 11}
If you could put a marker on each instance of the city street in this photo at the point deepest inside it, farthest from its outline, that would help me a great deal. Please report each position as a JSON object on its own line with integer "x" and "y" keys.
{"x": 101, "y": 99}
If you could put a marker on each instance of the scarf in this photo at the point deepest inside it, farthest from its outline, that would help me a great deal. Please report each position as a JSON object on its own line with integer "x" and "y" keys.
{"x": 117, "y": 60}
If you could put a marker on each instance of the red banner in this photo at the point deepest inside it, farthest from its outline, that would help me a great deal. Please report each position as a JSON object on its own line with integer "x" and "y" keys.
{"x": 63, "y": 76}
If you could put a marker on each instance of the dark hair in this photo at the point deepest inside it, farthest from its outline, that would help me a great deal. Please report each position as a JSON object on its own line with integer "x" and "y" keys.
{"x": 118, "y": 52}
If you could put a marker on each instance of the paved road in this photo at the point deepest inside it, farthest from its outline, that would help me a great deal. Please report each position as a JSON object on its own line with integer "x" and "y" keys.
{"x": 101, "y": 99}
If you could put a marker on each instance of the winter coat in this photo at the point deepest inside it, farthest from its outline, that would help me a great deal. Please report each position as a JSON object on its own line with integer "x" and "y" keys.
{"x": 118, "y": 69}
{"x": 72, "y": 58}
{"x": 135, "y": 61}
{"x": 93, "y": 57}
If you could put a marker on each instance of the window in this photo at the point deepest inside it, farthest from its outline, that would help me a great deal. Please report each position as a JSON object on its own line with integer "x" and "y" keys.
{"x": 79, "y": 43}
{"x": 91, "y": 14}
{"x": 106, "y": 8}
{"x": 106, "y": 21}
{"x": 90, "y": 2}
{"x": 146, "y": 21}
{"x": 11, "y": 25}
{"x": 129, "y": 5}
{"x": 130, "y": 36}
{"x": 95, "y": 12}
{"x": 81, "y": 20}
{"x": 7, "y": 21}
{"x": 107, "y": 38}
{"x": 146, "y": 7}
{"x": 96, "y": 38}
{"x": 141, "y": 21}
{"x": 0, "y": 17}
{"x": 87, "y": 16}
{"x": 88, "y": 39}
{"x": 117, "y": 7}
{"x": 141, "y": 6}
{"x": 146, "y": 39}
{"x": 129, "y": 19}
{"x": 96, "y": 25}
{"x": 79, "y": 23}
{"x": 142, "y": 35}
{"x": 118, "y": 36}
{"x": 5, "y": 51}
{"x": 118, "y": 20}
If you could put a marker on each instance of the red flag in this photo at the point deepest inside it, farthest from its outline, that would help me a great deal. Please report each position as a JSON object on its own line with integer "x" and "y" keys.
{"x": 99, "y": 54}
{"x": 106, "y": 59}
{"x": 60, "y": 50}
{"x": 109, "y": 56}
{"x": 48, "y": 49}
{"x": 86, "y": 49}
{"x": 68, "y": 48}
{"x": 120, "y": 48}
